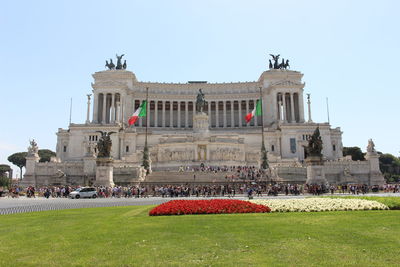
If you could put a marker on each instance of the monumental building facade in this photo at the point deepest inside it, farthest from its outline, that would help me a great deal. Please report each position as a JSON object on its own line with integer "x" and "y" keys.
{"x": 176, "y": 137}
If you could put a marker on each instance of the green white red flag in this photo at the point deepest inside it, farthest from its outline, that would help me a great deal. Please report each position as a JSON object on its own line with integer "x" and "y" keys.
{"x": 140, "y": 112}
{"x": 257, "y": 111}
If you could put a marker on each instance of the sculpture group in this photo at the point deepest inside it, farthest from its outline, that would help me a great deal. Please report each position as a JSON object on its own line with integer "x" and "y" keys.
{"x": 314, "y": 147}
{"x": 111, "y": 66}
{"x": 276, "y": 65}
{"x": 104, "y": 144}
{"x": 33, "y": 149}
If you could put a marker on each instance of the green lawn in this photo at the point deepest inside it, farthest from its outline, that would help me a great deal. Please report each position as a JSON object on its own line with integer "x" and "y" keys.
{"x": 127, "y": 236}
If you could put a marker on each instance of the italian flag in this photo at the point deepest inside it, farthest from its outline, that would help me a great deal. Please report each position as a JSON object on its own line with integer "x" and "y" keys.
{"x": 140, "y": 112}
{"x": 257, "y": 111}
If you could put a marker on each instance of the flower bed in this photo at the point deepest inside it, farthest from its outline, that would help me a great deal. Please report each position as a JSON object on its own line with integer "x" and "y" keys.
{"x": 212, "y": 206}
{"x": 319, "y": 204}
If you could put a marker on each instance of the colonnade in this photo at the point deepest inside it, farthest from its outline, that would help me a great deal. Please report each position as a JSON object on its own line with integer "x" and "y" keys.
{"x": 289, "y": 107}
{"x": 107, "y": 108}
{"x": 179, "y": 114}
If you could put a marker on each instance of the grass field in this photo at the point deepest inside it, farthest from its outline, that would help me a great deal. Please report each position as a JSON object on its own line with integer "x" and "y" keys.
{"x": 127, "y": 236}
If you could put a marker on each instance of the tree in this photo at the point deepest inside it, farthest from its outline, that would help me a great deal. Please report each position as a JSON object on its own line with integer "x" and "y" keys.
{"x": 4, "y": 181}
{"x": 264, "y": 156}
{"x": 18, "y": 159}
{"x": 355, "y": 153}
{"x": 389, "y": 159}
{"x": 45, "y": 155}
{"x": 390, "y": 167}
{"x": 3, "y": 169}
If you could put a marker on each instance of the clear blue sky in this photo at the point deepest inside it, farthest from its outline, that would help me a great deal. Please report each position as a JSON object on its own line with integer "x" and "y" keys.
{"x": 347, "y": 50}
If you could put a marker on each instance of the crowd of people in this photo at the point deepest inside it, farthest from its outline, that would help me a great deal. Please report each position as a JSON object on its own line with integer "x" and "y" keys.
{"x": 196, "y": 190}
{"x": 233, "y": 172}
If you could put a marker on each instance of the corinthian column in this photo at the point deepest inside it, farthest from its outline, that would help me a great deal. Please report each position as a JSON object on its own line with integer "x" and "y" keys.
{"x": 155, "y": 113}
{"x": 186, "y": 114}
{"x": 163, "y": 113}
{"x": 216, "y": 114}
{"x": 104, "y": 108}
{"x": 232, "y": 114}
{"x": 95, "y": 108}
{"x": 224, "y": 107}
{"x": 240, "y": 113}
{"x": 292, "y": 108}
{"x": 179, "y": 114}
{"x": 88, "y": 109}
{"x": 284, "y": 108}
{"x": 247, "y": 111}
{"x": 112, "y": 108}
{"x": 209, "y": 112}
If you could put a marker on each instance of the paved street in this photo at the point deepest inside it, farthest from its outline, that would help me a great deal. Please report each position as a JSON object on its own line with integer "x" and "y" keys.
{"x": 23, "y": 204}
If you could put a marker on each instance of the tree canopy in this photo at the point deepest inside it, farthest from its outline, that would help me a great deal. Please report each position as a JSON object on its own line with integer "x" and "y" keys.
{"x": 390, "y": 167}
{"x": 355, "y": 153}
{"x": 18, "y": 159}
{"x": 45, "y": 155}
{"x": 3, "y": 169}
{"x": 389, "y": 159}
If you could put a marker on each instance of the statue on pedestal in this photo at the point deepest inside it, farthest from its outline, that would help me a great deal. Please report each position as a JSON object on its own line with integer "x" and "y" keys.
{"x": 33, "y": 149}
{"x": 200, "y": 101}
{"x": 104, "y": 145}
{"x": 371, "y": 146}
{"x": 314, "y": 147}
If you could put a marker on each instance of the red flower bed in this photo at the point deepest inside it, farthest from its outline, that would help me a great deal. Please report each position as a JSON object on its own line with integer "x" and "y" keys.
{"x": 212, "y": 206}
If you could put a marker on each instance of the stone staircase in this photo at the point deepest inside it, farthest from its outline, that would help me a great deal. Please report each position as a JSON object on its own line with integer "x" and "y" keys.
{"x": 174, "y": 177}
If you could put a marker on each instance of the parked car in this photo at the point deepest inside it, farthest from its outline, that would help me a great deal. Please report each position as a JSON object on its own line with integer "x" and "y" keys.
{"x": 88, "y": 192}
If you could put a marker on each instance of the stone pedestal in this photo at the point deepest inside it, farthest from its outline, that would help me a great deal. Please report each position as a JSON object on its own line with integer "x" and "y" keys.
{"x": 316, "y": 175}
{"x": 104, "y": 172}
{"x": 201, "y": 123}
{"x": 30, "y": 176}
{"x": 375, "y": 175}
{"x": 315, "y": 171}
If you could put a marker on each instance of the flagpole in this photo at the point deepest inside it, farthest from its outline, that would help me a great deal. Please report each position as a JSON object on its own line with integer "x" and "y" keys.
{"x": 70, "y": 112}
{"x": 147, "y": 103}
{"x": 146, "y": 163}
{"x": 327, "y": 110}
{"x": 262, "y": 116}
{"x": 264, "y": 156}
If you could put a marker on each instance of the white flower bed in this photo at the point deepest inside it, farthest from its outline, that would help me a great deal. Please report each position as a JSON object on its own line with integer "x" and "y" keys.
{"x": 319, "y": 204}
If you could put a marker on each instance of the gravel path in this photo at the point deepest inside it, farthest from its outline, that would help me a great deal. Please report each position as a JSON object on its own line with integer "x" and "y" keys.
{"x": 23, "y": 204}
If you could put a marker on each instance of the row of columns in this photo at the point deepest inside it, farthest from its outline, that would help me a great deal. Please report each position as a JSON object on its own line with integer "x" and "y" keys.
{"x": 106, "y": 108}
{"x": 290, "y": 107}
{"x": 230, "y": 117}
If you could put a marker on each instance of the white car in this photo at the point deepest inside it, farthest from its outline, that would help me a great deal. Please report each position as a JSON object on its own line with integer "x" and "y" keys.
{"x": 83, "y": 192}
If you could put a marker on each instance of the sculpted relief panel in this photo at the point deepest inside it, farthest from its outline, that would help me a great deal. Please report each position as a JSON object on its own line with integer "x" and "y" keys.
{"x": 252, "y": 156}
{"x": 227, "y": 154}
{"x": 170, "y": 154}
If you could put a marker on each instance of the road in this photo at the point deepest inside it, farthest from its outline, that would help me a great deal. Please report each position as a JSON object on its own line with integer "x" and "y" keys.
{"x": 23, "y": 204}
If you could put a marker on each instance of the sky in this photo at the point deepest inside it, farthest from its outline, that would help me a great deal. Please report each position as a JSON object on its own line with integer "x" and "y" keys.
{"x": 347, "y": 50}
